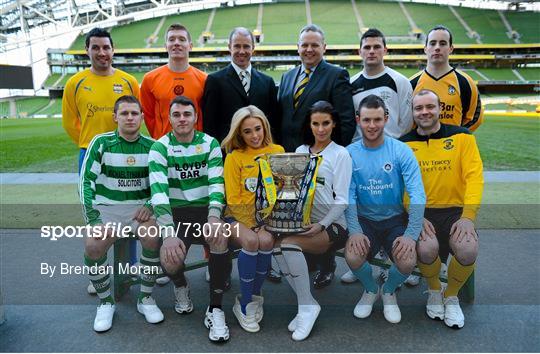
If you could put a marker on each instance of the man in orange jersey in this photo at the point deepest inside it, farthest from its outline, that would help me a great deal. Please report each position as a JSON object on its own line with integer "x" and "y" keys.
{"x": 89, "y": 95}
{"x": 176, "y": 78}
{"x": 459, "y": 97}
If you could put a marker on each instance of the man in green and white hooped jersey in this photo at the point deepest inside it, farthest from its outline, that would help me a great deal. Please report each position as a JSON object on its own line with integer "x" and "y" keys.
{"x": 115, "y": 194}
{"x": 188, "y": 196}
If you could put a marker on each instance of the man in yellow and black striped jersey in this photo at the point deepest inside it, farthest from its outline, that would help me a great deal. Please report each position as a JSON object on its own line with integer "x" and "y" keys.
{"x": 459, "y": 97}
{"x": 451, "y": 170}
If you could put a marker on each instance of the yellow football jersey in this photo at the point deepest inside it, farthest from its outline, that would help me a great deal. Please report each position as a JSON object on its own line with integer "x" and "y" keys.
{"x": 460, "y": 100}
{"x": 88, "y": 103}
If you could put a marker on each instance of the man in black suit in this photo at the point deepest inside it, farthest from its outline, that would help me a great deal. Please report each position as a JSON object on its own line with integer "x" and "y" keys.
{"x": 236, "y": 86}
{"x": 300, "y": 88}
{"x": 312, "y": 81}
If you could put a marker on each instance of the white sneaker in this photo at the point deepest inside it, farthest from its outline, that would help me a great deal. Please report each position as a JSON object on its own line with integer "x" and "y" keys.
{"x": 149, "y": 309}
{"x": 307, "y": 315}
{"x": 435, "y": 306}
{"x": 260, "y": 309}
{"x": 364, "y": 307}
{"x": 390, "y": 308}
{"x": 90, "y": 289}
{"x": 248, "y": 321}
{"x": 215, "y": 322}
{"x": 349, "y": 277}
{"x": 163, "y": 280}
{"x": 182, "y": 303}
{"x": 292, "y": 325}
{"x": 104, "y": 317}
{"x": 453, "y": 316}
{"x": 412, "y": 280}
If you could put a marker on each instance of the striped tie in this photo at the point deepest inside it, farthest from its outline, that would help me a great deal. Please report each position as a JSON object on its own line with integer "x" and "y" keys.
{"x": 245, "y": 81}
{"x": 300, "y": 86}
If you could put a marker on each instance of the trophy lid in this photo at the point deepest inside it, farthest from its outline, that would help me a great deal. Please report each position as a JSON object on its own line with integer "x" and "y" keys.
{"x": 290, "y": 164}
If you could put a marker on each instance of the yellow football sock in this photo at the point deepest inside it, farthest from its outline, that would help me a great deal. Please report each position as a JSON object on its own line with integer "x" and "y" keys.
{"x": 457, "y": 276}
{"x": 431, "y": 273}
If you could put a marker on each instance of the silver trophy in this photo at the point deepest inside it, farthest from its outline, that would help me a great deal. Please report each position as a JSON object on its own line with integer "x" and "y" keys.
{"x": 287, "y": 169}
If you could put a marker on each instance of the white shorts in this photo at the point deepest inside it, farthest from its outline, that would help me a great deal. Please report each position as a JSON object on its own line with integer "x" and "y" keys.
{"x": 120, "y": 216}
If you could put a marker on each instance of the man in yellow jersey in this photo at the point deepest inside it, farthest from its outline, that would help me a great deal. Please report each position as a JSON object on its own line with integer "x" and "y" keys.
{"x": 459, "y": 97}
{"x": 176, "y": 78}
{"x": 451, "y": 170}
{"x": 89, "y": 95}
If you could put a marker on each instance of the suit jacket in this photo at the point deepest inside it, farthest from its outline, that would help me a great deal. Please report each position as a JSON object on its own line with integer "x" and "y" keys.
{"x": 224, "y": 95}
{"x": 329, "y": 83}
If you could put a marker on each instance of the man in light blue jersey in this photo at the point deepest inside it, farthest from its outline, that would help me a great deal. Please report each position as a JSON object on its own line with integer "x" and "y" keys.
{"x": 383, "y": 168}
{"x": 114, "y": 189}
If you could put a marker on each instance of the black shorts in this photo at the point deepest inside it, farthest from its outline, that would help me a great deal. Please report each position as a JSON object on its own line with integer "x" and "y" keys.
{"x": 382, "y": 233}
{"x": 189, "y": 223}
{"x": 442, "y": 220}
{"x": 337, "y": 236}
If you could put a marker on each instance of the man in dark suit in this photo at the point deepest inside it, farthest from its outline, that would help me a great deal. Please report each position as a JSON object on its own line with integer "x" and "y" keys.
{"x": 312, "y": 81}
{"x": 300, "y": 88}
{"x": 236, "y": 86}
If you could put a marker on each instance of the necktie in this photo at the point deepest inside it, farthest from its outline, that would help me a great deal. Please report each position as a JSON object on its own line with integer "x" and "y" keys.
{"x": 300, "y": 86}
{"x": 245, "y": 81}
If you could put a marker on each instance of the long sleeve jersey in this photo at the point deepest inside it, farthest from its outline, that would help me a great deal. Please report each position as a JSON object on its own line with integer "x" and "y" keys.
{"x": 241, "y": 173}
{"x": 332, "y": 188}
{"x": 379, "y": 179}
{"x": 88, "y": 103}
{"x": 186, "y": 174}
{"x": 451, "y": 168}
{"x": 114, "y": 171}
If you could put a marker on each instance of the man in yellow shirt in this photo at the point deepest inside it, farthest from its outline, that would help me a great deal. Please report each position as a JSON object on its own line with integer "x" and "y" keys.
{"x": 89, "y": 95}
{"x": 459, "y": 97}
{"x": 451, "y": 170}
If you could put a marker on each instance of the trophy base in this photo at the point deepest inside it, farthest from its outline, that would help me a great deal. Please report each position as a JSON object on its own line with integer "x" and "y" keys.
{"x": 280, "y": 219}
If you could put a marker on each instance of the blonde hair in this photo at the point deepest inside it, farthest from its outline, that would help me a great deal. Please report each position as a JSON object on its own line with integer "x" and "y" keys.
{"x": 234, "y": 139}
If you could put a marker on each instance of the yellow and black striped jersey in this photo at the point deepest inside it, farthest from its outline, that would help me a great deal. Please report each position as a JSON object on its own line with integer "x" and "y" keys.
{"x": 458, "y": 94}
{"x": 451, "y": 168}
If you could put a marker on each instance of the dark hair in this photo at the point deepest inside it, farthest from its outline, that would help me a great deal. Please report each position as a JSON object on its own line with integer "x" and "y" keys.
{"x": 126, "y": 99}
{"x": 373, "y": 33}
{"x": 439, "y": 28}
{"x": 321, "y": 107}
{"x": 424, "y": 92}
{"x": 177, "y": 27}
{"x": 98, "y": 32}
{"x": 372, "y": 102}
{"x": 184, "y": 101}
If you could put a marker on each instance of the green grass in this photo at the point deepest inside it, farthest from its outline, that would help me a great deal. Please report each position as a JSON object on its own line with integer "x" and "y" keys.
{"x": 499, "y": 74}
{"x": 228, "y": 18}
{"x": 387, "y": 17}
{"x": 527, "y": 24}
{"x": 428, "y": 16}
{"x": 194, "y": 21}
{"x": 509, "y": 143}
{"x": 337, "y": 20}
{"x": 135, "y": 34}
{"x": 282, "y": 22}
{"x": 28, "y": 106}
{"x": 530, "y": 73}
{"x": 487, "y": 23}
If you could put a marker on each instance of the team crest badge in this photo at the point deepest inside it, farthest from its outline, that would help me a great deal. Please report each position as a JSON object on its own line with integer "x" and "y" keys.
{"x": 178, "y": 90}
{"x": 131, "y": 160}
{"x": 251, "y": 184}
{"x": 118, "y": 88}
{"x": 198, "y": 149}
{"x": 387, "y": 167}
{"x": 448, "y": 144}
{"x": 451, "y": 90}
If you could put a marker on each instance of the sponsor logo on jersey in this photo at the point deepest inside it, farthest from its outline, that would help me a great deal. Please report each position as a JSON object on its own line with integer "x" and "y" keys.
{"x": 118, "y": 88}
{"x": 451, "y": 90}
{"x": 387, "y": 167}
{"x": 131, "y": 160}
{"x": 448, "y": 144}
{"x": 384, "y": 95}
{"x": 178, "y": 90}
{"x": 320, "y": 180}
{"x": 251, "y": 184}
